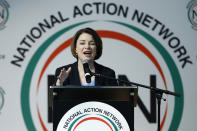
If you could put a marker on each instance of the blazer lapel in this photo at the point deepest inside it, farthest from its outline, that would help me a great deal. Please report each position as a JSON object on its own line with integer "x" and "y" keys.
{"x": 75, "y": 80}
{"x": 98, "y": 80}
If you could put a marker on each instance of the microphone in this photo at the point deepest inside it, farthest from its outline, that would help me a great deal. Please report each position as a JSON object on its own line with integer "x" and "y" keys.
{"x": 87, "y": 71}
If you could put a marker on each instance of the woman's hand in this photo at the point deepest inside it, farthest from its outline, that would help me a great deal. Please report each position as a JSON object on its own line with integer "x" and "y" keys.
{"x": 63, "y": 76}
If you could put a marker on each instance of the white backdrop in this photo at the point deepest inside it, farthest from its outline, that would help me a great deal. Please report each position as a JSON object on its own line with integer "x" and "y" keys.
{"x": 141, "y": 38}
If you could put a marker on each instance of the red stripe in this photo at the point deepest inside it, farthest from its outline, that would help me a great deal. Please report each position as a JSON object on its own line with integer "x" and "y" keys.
{"x": 114, "y": 35}
{"x": 164, "y": 118}
{"x": 40, "y": 119}
{"x": 93, "y": 118}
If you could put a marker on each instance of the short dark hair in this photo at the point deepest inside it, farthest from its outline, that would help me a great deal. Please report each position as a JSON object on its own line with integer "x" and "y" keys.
{"x": 96, "y": 37}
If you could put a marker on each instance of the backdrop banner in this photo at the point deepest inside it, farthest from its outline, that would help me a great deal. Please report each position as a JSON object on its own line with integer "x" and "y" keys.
{"x": 148, "y": 42}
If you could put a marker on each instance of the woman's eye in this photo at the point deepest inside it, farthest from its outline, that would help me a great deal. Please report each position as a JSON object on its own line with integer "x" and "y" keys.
{"x": 82, "y": 43}
{"x": 92, "y": 43}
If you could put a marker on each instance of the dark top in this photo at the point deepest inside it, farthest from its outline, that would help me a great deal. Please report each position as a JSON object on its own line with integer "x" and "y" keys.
{"x": 73, "y": 78}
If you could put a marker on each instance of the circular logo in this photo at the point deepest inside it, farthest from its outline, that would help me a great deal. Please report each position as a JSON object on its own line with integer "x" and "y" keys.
{"x": 2, "y": 92}
{"x": 3, "y": 14}
{"x": 192, "y": 13}
{"x": 173, "y": 70}
{"x": 96, "y": 116}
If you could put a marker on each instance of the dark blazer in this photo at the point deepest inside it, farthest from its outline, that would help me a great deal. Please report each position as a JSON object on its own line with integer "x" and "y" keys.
{"x": 73, "y": 78}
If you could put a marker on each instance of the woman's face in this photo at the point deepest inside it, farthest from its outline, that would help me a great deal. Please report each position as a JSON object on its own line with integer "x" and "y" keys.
{"x": 86, "y": 47}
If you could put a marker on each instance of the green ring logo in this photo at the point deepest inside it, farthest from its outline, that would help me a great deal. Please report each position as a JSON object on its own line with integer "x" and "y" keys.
{"x": 113, "y": 127}
{"x": 93, "y": 115}
{"x": 4, "y": 13}
{"x": 177, "y": 82}
{"x": 2, "y": 99}
{"x": 192, "y": 13}
{"x": 77, "y": 122}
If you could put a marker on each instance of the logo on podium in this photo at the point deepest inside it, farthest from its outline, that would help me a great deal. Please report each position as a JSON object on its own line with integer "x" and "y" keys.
{"x": 95, "y": 116}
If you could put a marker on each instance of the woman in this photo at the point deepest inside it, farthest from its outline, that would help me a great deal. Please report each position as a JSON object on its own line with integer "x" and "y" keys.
{"x": 86, "y": 45}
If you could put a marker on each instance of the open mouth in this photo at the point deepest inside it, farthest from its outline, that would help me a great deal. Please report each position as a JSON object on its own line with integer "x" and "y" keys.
{"x": 87, "y": 53}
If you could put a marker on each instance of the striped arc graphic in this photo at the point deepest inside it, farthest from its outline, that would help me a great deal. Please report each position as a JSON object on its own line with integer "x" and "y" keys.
{"x": 75, "y": 122}
{"x": 6, "y": 19}
{"x": 92, "y": 118}
{"x": 108, "y": 34}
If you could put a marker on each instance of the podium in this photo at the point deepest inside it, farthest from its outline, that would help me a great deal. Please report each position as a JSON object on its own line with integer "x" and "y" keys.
{"x": 114, "y": 102}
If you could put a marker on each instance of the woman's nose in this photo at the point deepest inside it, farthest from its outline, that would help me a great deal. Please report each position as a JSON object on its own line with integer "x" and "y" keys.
{"x": 87, "y": 45}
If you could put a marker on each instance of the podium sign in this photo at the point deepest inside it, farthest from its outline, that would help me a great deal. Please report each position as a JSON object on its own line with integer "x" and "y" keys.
{"x": 93, "y": 108}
